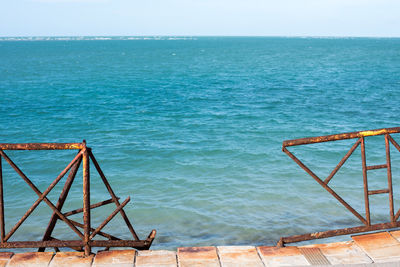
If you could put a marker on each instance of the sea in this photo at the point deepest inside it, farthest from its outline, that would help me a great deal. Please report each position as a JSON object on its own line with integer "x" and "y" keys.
{"x": 191, "y": 128}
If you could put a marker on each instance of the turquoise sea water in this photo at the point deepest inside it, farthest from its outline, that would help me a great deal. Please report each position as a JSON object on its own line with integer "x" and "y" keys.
{"x": 192, "y": 129}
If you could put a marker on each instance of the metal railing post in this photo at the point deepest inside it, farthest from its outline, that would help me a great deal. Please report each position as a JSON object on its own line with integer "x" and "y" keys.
{"x": 365, "y": 180}
{"x": 389, "y": 175}
{"x": 2, "y": 228}
{"x": 86, "y": 201}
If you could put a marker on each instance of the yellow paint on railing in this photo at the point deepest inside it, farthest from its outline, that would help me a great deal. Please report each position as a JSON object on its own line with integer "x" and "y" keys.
{"x": 373, "y": 132}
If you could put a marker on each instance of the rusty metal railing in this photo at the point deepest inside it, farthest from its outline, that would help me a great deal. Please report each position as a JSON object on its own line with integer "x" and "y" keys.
{"x": 86, "y": 239}
{"x": 360, "y": 136}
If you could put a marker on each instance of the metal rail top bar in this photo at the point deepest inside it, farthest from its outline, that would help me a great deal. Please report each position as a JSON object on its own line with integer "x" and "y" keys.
{"x": 42, "y": 146}
{"x": 336, "y": 137}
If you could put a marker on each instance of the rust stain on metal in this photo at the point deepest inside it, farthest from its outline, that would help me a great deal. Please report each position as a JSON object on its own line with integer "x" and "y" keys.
{"x": 343, "y": 136}
{"x": 41, "y": 146}
{"x": 366, "y": 220}
{"x": 86, "y": 240}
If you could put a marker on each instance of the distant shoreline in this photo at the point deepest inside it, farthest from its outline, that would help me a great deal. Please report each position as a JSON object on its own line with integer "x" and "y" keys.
{"x": 169, "y": 37}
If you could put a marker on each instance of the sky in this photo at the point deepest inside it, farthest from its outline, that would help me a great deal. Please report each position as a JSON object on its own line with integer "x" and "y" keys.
{"x": 372, "y": 18}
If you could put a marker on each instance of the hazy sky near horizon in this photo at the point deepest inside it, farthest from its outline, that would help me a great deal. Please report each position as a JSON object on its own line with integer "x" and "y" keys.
{"x": 200, "y": 17}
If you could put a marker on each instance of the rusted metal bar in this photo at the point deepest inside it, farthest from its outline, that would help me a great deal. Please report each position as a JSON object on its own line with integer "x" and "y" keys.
{"x": 93, "y": 206}
{"x": 151, "y": 236}
{"x": 86, "y": 201}
{"x": 61, "y": 200}
{"x": 41, "y": 146}
{"x": 336, "y": 137}
{"x": 365, "y": 181}
{"x": 389, "y": 175}
{"x": 42, "y": 196}
{"x": 396, "y": 145}
{"x": 380, "y": 191}
{"x": 397, "y": 215}
{"x": 330, "y": 190}
{"x": 38, "y": 244}
{"x": 23, "y": 218}
{"x": 340, "y": 164}
{"x": 80, "y": 249}
{"x": 2, "y": 227}
{"x": 81, "y": 225}
{"x": 62, "y": 217}
{"x": 142, "y": 244}
{"x": 344, "y": 231}
{"x": 112, "y": 194}
{"x": 109, "y": 218}
{"x": 149, "y": 239}
{"x": 375, "y": 167}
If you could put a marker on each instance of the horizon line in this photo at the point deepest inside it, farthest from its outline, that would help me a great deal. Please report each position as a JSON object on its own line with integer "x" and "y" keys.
{"x": 193, "y": 36}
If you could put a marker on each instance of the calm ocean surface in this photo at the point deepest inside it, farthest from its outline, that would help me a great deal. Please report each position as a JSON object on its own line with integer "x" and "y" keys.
{"x": 192, "y": 129}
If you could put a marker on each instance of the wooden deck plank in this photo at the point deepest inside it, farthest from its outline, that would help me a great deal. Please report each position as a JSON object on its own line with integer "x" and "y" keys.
{"x": 122, "y": 258}
{"x": 30, "y": 259}
{"x": 231, "y": 256}
{"x": 156, "y": 258}
{"x": 5, "y": 258}
{"x": 68, "y": 259}
{"x": 380, "y": 247}
{"x": 286, "y": 256}
{"x": 342, "y": 253}
{"x": 198, "y": 256}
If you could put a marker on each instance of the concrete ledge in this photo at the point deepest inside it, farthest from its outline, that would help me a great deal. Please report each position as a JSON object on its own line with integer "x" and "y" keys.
{"x": 231, "y": 256}
{"x": 200, "y": 256}
{"x": 156, "y": 258}
{"x": 123, "y": 258}
{"x": 377, "y": 249}
{"x": 5, "y": 258}
{"x": 68, "y": 259}
{"x": 38, "y": 259}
